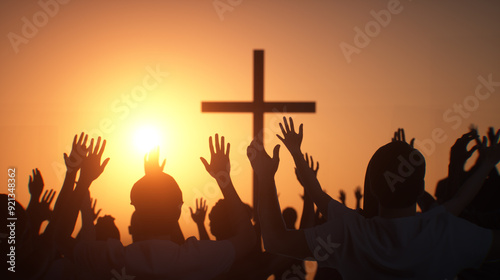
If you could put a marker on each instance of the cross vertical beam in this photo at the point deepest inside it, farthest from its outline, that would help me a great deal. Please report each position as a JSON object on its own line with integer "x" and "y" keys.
{"x": 258, "y": 108}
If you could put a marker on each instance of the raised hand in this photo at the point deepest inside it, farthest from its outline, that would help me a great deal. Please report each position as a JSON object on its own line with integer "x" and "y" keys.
{"x": 91, "y": 167}
{"x": 489, "y": 154}
{"x": 489, "y": 157}
{"x": 78, "y": 152}
{"x": 399, "y": 135}
{"x": 310, "y": 164}
{"x": 201, "y": 211}
{"x": 35, "y": 185}
{"x": 219, "y": 166}
{"x": 43, "y": 210}
{"x": 263, "y": 165}
{"x": 459, "y": 153}
{"x": 357, "y": 193}
{"x": 291, "y": 139}
{"x": 342, "y": 196}
{"x": 151, "y": 162}
{"x": 95, "y": 214}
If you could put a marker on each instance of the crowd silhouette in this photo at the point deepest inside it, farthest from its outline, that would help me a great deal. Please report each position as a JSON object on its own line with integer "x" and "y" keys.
{"x": 453, "y": 236}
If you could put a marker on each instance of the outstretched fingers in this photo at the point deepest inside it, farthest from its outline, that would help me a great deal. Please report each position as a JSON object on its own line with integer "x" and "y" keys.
{"x": 91, "y": 146}
{"x": 205, "y": 163}
{"x": 282, "y": 131}
{"x": 494, "y": 137}
{"x": 52, "y": 194}
{"x": 287, "y": 127}
{"x": 276, "y": 153}
{"x": 104, "y": 163}
{"x": 217, "y": 146}
{"x": 222, "y": 146}
{"x": 412, "y": 142}
{"x": 97, "y": 146}
{"x": 403, "y": 137}
{"x": 211, "y": 145}
{"x": 292, "y": 127}
{"x": 101, "y": 151}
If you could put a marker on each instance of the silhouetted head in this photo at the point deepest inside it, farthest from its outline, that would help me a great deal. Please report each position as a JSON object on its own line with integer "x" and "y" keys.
{"x": 290, "y": 217}
{"x": 396, "y": 175}
{"x": 158, "y": 195}
{"x": 105, "y": 228}
{"x": 147, "y": 226}
{"x": 221, "y": 220}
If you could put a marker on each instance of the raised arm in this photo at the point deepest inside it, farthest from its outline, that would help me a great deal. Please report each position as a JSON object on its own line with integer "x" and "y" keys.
{"x": 89, "y": 216}
{"x": 459, "y": 154}
{"x": 490, "y": 156}
{"x": 399, "y": 135}
{"x": 199, "y": 218}
{"x": 38, "y": 210}
{"x": 91, "y": 169}
{"x": 73, "y": 164}
{"x": 359, "y": 196}
{"x": 35, "y": 187}
{"x": 219, "y": 168}
{"x": 426, "y": 202}
{"x": 152, "y": 163}
{"x": 152, "y": 166}
{"x": 292, "y": 141}
{"x": 342, "y": 196}
{"x": 307, "y": 219}
{"x": 277, "y": 239}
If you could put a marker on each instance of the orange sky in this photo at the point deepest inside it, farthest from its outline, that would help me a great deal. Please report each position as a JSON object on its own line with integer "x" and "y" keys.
{"x": 78, "y": 67}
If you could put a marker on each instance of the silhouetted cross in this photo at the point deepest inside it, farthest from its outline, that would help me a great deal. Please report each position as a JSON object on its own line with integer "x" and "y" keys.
{"x": 258, "y": 107}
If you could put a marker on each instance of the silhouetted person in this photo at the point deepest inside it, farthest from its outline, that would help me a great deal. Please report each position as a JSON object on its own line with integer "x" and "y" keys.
{"x": 221, "y": 220}
{"x": 255, "y": 265}
{"x": 484, "y": 209}
{"x": 199, "y": 218}
{"x": 105, "y": 228}
{"x": 158, "y": 196}
{"x": 400, "y": 244}
{"x": 359, "y": 196}
{"x": 38, "y": 209}
{"x": 342, "y": 196}
{"x": 290, "y": 217}
{"x": 154, "y": 226}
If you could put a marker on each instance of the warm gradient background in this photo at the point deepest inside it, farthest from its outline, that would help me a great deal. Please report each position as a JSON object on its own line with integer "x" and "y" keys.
{"x": 77, "y": 69}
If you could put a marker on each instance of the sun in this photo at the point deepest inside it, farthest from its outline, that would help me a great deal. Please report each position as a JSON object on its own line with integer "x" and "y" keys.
{"x": 146, "y": 138}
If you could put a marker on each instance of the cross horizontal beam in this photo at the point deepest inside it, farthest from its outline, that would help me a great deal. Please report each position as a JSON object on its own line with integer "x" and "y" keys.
{"x": 250, "y": 107}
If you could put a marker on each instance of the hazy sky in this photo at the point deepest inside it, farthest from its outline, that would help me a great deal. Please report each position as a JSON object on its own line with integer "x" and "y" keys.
{"x": 112, "y": 67}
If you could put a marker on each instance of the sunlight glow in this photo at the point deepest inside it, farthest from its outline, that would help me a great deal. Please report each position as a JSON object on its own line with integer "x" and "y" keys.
{"x": 146, "y": 138}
